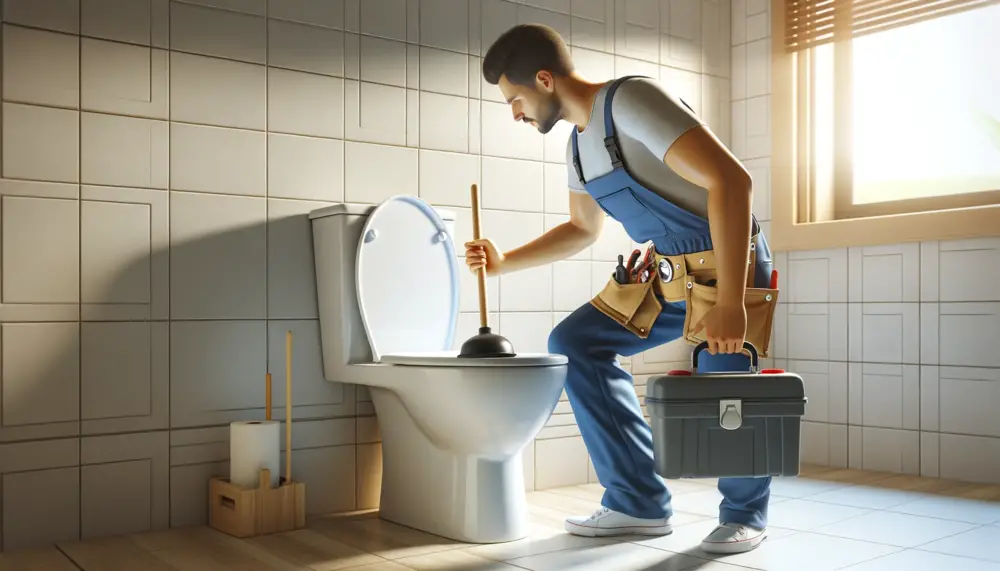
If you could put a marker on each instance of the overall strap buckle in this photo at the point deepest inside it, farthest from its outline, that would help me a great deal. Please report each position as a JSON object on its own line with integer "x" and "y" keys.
{"x": 611, "y": 144}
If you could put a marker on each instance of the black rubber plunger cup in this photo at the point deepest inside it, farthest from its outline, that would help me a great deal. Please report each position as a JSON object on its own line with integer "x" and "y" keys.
{"x": 486, "y": 343}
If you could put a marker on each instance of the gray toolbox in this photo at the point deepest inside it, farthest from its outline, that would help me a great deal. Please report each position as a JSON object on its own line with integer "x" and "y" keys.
{"x": 726, "y": 425}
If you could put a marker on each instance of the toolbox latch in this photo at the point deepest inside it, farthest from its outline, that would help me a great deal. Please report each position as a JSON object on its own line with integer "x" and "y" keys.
{"x": 731, "y": 414}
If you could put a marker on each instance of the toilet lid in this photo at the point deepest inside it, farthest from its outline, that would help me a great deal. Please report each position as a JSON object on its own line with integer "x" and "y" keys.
{"x": 451, "y": 359}
{"x": 407, "y": 279}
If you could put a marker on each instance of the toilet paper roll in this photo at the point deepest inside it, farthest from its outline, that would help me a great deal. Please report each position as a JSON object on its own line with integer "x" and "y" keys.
{"x": 253, "y": 446}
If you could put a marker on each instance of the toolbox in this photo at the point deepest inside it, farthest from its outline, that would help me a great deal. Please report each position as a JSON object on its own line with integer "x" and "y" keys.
{"x": 742, "y": 424}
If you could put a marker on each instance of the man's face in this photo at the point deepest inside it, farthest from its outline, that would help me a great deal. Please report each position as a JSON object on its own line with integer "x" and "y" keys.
{"x": 536, "y": 105}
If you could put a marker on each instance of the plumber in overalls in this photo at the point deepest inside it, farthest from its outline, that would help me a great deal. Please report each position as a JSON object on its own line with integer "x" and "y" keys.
{"x": 640, "y": 155}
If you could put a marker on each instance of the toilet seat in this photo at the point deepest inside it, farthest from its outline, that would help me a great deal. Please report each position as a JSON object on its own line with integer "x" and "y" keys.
{"x": 451, "y": 359}
{"x": 405, "y": 247}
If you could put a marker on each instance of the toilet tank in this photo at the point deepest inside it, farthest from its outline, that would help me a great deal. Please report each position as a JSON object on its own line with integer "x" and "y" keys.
{"x": 336, "y": 232}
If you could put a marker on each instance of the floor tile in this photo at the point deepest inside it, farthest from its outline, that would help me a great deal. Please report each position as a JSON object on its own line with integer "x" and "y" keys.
{"x": 912, "y": 560}
{"x": 704, "y": 503}
{"x": 540, "y": 540}
{"x": 979, "y": 543}
{"x": 809, "y": 552}
{"x": 866, "y": 497}
{"x": 619, "y": 557}
{"x": 47, "y": 558}
{"x": 454, "y": 560}
{"x": 958, "y": 509}
{"x": 383, "y": 538}
{"x": 687, "y": 538}
{"x": 901, "y": 530}
{"x": 805, "y": 515}
{"x": 801, "y": 487}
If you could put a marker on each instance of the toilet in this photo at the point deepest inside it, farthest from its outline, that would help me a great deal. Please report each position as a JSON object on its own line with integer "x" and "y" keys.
{"x": 453, "y": 429}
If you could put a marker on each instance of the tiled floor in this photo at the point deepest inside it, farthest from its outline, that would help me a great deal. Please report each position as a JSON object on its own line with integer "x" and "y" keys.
{"x": 823, "y": 521}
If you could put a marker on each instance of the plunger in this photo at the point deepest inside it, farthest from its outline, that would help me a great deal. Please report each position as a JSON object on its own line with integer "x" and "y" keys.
{"x": 486, "y": 343}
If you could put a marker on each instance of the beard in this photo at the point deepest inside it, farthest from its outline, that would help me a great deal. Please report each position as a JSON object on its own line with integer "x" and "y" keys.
{"x": 549, "y": 114}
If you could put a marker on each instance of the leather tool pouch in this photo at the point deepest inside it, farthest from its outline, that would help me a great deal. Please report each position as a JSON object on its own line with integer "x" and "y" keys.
{"x": 634, "y": 306}
{"x": 760, "y": 304}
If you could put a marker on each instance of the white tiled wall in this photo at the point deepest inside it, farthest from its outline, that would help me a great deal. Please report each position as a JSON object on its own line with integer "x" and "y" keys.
{"x": 158, "y": 160}
{"x": 896, "y": 344}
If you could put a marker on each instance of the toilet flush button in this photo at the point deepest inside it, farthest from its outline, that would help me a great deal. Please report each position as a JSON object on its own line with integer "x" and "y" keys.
{"x": 371, "y": 235}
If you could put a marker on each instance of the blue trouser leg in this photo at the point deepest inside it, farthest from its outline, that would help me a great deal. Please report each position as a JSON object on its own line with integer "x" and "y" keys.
{"x": 607, "y": 410}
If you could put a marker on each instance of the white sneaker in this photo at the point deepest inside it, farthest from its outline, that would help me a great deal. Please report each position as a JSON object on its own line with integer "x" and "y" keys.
{"x": 733, "y": 538}
{"x": 606, "y": 522}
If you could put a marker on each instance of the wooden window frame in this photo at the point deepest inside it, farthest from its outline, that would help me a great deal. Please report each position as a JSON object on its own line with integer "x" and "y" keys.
{"x": 832, "y": 220}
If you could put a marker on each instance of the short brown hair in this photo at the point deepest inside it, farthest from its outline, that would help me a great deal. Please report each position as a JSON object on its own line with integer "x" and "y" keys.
{"x": 524, "y": 50}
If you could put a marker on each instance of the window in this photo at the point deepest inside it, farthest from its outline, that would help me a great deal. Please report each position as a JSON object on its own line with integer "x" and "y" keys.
{"x": 885, "y": 108}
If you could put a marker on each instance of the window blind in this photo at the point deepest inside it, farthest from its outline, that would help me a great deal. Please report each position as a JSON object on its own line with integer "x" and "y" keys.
{"x": 810, "y": 23}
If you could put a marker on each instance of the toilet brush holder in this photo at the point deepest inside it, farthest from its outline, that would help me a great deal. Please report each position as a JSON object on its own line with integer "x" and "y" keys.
{"x": 486, "y": 343}
{"x": 249, "y": 512}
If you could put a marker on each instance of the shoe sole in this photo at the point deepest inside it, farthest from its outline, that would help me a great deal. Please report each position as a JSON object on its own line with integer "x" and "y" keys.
{"x": 585, "y": 531}
{"x": 732, "y": 547}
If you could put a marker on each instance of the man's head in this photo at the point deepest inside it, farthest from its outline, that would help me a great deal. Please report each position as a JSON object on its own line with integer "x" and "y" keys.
{"x": 525, "y": 62}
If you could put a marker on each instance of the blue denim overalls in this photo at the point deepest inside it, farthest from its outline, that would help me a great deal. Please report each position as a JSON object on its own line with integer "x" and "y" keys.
{"x": 601, "y": 393}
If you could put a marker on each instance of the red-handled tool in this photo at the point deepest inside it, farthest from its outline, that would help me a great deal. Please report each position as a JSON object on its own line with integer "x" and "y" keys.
{"x": 774, "y": 279}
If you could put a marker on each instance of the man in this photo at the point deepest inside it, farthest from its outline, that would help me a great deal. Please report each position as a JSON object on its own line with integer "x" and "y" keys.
{"x": 647, "y": 160}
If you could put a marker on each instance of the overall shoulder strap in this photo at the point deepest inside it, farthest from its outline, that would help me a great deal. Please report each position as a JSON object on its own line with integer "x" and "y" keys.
{"x": 610, "y": 138}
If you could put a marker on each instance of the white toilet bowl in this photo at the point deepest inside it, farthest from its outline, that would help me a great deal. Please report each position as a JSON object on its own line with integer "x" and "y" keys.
{"x": 453, "y": 429}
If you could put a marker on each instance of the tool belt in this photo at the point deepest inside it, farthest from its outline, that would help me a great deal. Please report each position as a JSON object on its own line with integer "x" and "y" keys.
{"x": 689, "y": 278}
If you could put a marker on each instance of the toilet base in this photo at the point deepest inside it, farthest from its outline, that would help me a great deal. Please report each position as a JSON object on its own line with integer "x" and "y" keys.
{"x": 459, "y": 497}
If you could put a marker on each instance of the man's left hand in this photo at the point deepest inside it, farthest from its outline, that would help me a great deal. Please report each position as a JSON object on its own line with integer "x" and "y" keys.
{"x": 725, "y": 327}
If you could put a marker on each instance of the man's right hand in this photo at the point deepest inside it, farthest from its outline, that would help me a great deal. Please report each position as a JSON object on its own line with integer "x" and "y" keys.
{"x": 483, "y": 252}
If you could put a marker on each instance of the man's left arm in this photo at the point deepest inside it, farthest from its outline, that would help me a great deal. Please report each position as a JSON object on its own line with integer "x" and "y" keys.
{"x": 702, "y": 159}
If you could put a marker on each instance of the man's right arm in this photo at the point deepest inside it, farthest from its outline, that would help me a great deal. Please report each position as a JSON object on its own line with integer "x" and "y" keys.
{"x": 586, "y": 221}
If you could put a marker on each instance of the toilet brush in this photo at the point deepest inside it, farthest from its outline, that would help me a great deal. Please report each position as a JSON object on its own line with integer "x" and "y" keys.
{"x": 486, "y": 343}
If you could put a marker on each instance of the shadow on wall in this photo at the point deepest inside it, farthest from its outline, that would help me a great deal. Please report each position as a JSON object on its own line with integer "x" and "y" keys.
{"x": 173, "y": 346}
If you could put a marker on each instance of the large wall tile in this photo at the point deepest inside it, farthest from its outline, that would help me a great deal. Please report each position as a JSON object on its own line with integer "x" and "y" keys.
{"x": 681, "y": 42}
{"x": 886, "y": 396}
{"x": 503, "y": 137}
{"x": 40, "y": 67}
{"x": 966, "y": 400}
{"x": 556, "y": 199}
{"x": 446, "y": 178}
{"x": 255, "y": 7}
{"x": 758, "y": 74}
{"x": 291, "y": 279}
{"x": 41, "y": 380}
{"x": 444, "y": 72}
{"x": 329, "y": 13}
{"x": 498, "y": 16}
{"x": 884, "y": 273}
{"x": 377, "y": 172}
{"x": 58, "y": 15}
{"x": 884, "y": 332}
{"x": 716, "y": 112}
{"x": 887, "y": 450}
{"x": 125, "y": 485}
{"x": 637, "y": 28}
{"x": 826, "y": 388}
{"x": 123, "y": 151}
{"x": 686, "y": 85}
{"x": 143, "y": 23}
{"x": 213, "y": 91}
{"x": 513, "y": 185}
{"x": 124, "y": 257}
{"x": 560, "y": 462}
{"x": 570, "y": 285}
{"x": 305, "y": 104}
{"x": 312, "y": 395}
{"x": 41, "y": 263}
{"x": 445, "y": 24}
{"x": 527, "y": 332}
{"x": 217, "y": 257}
{"x": 816, "y": 276}
{"x": 305, "y": 48}
{"x": 218, "y": 33}
{"x": 527, "y": 290}
{"x": 120, "y": 78}
{"x": 214, "y": 366}
{"x": 816, "y": 332}
{"x": 41, "y": 493}
{"x": 715, "y": 37}
{"x": 375, "y": 113}
{"x": 944, "y": 265}
{"x": 41, "y": 143}
{"x": 305, "y": 168}
{"x": 824, "y": 444}
{"x": 124, "y": 377}
{"x": 217, "y": 160}
{"x": 960, "y": 334}
{"x": 444, "y": 122}
{"x": 758, "y": 128}
{"x": 382, "y": 18}
{"x": 970, "y": 458}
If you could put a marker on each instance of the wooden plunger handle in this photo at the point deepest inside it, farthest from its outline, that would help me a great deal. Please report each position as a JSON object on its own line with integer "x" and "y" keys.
{"x": 288, "y": 406}
{"x": 481, "y": 274}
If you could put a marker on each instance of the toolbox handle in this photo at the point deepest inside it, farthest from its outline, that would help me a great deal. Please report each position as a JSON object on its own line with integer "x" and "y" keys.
{"x": 748, "y": 348}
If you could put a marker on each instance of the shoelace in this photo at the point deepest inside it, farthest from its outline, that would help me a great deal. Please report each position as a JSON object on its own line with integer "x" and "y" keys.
{"x": 599, "y": 514}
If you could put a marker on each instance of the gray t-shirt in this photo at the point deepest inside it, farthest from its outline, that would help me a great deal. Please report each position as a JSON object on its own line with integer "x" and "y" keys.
{"x": 647, "y": 121}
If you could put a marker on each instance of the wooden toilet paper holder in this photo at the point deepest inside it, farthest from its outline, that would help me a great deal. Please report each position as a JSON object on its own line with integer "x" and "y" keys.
{"x": 248, "y": 512}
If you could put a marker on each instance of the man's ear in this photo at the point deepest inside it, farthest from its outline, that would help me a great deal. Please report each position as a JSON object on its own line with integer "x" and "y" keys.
{"x": 545, "y": 81}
